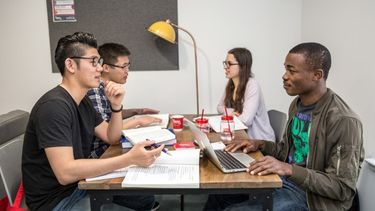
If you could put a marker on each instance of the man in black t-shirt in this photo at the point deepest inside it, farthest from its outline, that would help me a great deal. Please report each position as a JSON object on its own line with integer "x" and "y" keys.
{"x": 62, "y": 126}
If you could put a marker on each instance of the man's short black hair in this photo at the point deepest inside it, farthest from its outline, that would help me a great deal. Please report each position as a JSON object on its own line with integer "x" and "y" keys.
{"x": 71, "y": 46}
{"x": 316, "y": 55}
{"x": 111, "y": 51}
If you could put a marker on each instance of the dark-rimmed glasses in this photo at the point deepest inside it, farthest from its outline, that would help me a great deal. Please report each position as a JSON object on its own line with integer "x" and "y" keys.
{"x": 94, "y": 60}
{"x": 126, "y": 65}
{"x": 227, "y": 64}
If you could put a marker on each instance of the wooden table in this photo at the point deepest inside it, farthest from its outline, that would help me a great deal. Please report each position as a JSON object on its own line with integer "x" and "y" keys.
{"x": 212, "y": 180}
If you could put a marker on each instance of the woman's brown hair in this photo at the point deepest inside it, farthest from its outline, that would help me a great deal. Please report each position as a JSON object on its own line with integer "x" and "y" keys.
{"x": 245, "y": 61}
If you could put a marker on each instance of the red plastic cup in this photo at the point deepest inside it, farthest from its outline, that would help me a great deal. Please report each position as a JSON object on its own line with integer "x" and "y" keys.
{"x": 178, "y": 122}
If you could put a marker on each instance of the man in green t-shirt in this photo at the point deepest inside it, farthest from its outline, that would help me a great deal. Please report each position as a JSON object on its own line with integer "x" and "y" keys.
{"x": 319, "y": 156}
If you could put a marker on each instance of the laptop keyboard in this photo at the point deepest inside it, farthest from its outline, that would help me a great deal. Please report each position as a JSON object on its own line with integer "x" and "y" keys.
{"x": 228, "y": 161}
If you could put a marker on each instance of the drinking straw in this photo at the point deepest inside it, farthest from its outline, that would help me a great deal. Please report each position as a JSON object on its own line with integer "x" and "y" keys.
{"x": 226, "y": 114}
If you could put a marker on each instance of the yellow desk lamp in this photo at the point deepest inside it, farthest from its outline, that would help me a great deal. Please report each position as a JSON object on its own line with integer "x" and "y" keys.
{"x": 165, "y": 30}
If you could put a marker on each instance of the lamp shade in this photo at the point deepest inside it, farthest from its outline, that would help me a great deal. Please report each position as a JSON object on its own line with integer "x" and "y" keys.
{"x": 164, "y": 30}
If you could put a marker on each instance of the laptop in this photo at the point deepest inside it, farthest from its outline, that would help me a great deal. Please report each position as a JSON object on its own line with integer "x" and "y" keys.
{"x": 227, "y": 162}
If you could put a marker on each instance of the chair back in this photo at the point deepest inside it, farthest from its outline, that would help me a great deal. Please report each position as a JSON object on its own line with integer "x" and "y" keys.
{"x": 12, "y": 129}
{"x": 278, "y": 122}
{"x": 366, "y": 185}
{"x": 12, "y": 124}
{"x": 10, "y": 166}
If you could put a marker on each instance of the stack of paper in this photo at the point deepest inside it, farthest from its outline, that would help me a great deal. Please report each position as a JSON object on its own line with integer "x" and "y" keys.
{"x": 181, "y": 170}
{"x": 116, "y": 173}
{"x": 214, "y": 122}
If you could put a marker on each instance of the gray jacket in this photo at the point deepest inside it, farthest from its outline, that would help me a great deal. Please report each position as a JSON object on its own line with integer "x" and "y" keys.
{"x": 336, "y": 153}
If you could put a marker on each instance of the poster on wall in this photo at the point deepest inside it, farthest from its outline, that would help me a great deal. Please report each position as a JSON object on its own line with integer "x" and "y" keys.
{"x": 63, "y": 11}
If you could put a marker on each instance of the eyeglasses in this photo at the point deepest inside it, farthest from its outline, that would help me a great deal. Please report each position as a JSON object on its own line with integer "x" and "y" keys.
{"x": 227, "y": 64}
{"x": 127, "y": 65}
{"x": 94, "y": 60}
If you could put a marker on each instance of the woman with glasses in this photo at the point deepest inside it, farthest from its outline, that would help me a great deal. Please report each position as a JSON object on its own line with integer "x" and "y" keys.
{"x": 243, "y": 96}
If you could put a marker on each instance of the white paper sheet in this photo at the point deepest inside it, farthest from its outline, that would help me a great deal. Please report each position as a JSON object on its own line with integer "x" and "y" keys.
{"x": 180, "y": 157}
{"x": 115, "y": 174}
{"x": 214, "y": 122}
{"x": 181, "y": 170}
{"x": 163, "y": 176}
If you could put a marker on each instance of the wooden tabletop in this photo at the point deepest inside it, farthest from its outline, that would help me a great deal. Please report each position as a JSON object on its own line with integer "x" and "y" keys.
{"x": 210, "y": 175}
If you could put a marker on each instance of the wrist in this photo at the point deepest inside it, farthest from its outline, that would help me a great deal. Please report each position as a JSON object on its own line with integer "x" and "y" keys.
{"x": 139, "y": 111}
{"x": 290, "y": 170}
{"x": 260, "y": 144}
{"x": 116, "y": 109}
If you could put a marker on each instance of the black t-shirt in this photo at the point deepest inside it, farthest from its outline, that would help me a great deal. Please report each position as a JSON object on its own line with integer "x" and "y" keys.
{"x": 55, "y": 120}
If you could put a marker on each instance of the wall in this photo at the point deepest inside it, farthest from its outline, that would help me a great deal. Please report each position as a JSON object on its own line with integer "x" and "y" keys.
{"x": 258, "y": 25}
{"x": 269, "y": 28}
{"x": 26, "y": 67}
{"x": 347, "y": 28}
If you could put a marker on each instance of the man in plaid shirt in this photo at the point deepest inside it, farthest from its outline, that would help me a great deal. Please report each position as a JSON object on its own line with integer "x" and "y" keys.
{"x": 116, "y": 67}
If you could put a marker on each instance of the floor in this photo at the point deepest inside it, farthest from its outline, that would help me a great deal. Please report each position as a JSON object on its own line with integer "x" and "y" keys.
{"x": 169, "y": 202}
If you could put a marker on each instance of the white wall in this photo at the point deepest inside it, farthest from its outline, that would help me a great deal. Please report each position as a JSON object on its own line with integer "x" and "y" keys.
{"x": 25, "y": 71}
{"x": 347, "y": 28}
{"x": 268, "y": 28}
{"x": 256, "y": 24}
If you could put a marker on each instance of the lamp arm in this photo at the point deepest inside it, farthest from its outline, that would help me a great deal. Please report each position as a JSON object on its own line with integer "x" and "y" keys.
{"x": 195, "y": 61}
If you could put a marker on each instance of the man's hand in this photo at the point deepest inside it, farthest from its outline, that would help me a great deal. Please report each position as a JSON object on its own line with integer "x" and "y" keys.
{"x": 115, "y": 93}
{"x": 268, "y": 165}
{"x": 147, "y": 111}
{"x": 245, "y": 144}
{"x": 147, "y": 120}
{"x": 141, "y": 157}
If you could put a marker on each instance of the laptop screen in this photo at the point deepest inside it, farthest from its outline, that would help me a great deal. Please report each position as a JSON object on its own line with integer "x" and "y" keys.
{"x": 203, "y": 142}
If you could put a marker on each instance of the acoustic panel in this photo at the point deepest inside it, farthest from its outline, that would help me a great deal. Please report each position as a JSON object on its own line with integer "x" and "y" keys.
{"x": 124, "y": 22}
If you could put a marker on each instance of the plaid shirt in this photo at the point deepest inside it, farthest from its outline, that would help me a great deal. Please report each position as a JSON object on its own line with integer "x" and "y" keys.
{"x": 101, "y": 105}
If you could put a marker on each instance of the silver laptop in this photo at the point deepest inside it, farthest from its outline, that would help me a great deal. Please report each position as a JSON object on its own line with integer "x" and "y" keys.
{"x": 227, "y": 162}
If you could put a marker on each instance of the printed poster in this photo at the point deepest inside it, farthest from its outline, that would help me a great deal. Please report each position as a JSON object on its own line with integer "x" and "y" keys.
{"x": 63, "y": 11}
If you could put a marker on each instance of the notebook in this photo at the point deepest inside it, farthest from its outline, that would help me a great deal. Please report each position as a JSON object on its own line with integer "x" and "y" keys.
{"x": 227, "y": 162}
{"x": 155, "y": 133}
{"x": 180, "y": 170}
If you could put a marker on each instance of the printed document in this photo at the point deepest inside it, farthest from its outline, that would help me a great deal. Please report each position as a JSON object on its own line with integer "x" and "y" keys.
{"x": 181, "y": 170}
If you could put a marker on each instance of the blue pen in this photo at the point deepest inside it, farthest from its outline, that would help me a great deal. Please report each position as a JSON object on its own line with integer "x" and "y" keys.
{"x": 163, "y": 150}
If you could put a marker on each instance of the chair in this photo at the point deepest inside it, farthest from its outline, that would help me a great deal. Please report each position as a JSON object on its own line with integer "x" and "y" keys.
{"x": 12, "y": 128}
{"x": 10, "y": 166}
{"x": 278, "y": 122}
{"x": 366, "y": 185}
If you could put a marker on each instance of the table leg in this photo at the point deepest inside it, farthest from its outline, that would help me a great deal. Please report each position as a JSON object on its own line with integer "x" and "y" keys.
{"x": 182, "y": 202}
{"x": 98, "y": 199}
{"x": 268, "y": 201}
{"x": 264, "y": 197}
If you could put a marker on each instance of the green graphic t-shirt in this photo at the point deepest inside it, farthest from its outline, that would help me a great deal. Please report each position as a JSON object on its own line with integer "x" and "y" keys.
{"x": 299, "y": 135}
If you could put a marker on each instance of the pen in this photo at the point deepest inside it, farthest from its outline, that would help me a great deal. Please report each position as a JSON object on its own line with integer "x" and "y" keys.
{"x": 156, "y": 146}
